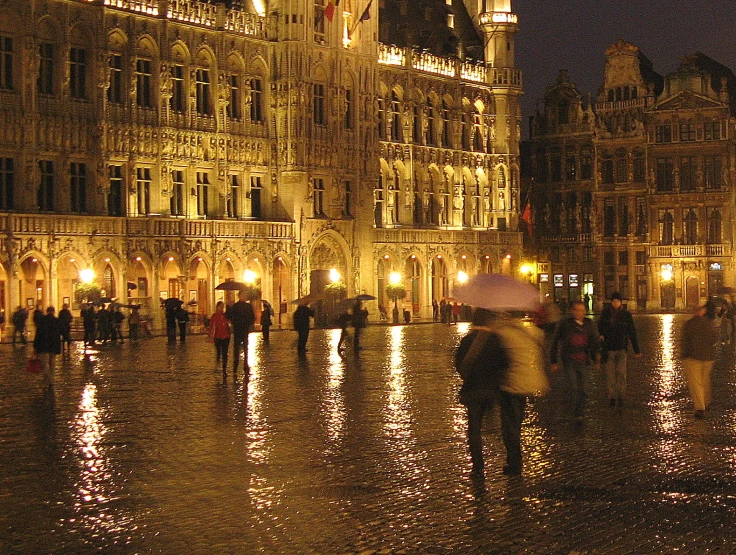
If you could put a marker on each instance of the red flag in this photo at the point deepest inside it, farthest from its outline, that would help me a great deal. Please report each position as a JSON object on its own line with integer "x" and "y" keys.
{"x": 330, "y": 11}
{"x": 526, "y": 216}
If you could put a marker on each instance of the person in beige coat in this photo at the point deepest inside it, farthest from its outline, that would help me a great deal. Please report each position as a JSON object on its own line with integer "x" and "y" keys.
{"x": 698, "y": 355}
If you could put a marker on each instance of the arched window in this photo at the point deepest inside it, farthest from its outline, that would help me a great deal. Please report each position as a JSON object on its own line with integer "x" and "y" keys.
{"x": 431, "y": 123}
{"x": 446, "y": 131}
{"x": 667, "y": 228}
{"x": 396, "y": 124}
{"x": 714, "y": 226}
{"x": 477, "y": 131}
{"x": 690, "y": 228}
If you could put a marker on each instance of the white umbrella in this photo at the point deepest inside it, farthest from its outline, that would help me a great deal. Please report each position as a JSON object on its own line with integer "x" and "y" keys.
{"x": 497, "y": 292}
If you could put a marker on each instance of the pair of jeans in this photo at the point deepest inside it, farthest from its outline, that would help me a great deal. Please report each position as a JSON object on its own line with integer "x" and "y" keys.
{"x": 221, "y": 346}
{"x": 240, "y": 344}
{"x": 615, "y": 367}
{"x": 578, "y": 375}
{"x": 512, "y": 415}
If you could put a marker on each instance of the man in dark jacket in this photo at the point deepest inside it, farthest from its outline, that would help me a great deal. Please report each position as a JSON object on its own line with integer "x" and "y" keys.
{"x": 20, "y": 319}
{"x": 301, "y": 324}
{"x": 242, "y": 318}
{"x": 65, "y": 319}
{"x": 47, "y": 344}
{"x": 576, "y": 342}
{"x": 616, "y": 327}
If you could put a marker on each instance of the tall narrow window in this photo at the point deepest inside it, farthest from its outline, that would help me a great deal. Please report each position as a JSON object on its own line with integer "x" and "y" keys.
{"x": 204, "y": 100}
{"x": 639, "y": 165}
{"x": 623, "y": 217}
{"x": 46, "y": 187}
{"x": 178, "y": 97}
{"x": 177, "y": 193}
{"x": 115, "y": 90}
{"x": 256, "y": 100}
{"x": 349, "y": 109}
{"x": 381, "y": 118}
{"x": 712, "y": 172}
{"x": 233, "y": 107}
{"x": 667, "y": 223}
{"x": 319, "y": 18}
{"x": 78, "y": 182}
{"x": 143, "y": 190}
{"x": 46, "y": 68}
{"x": 478, "y": 133}
{"x": 621, "y": 166}
{"x": 256, "y": 188}
{"x": 234, "y": 200}
{"x": 144, "y": 76}
{"x": 609, "y": 218}
{"x": 7, "y": 183}
{"x": 687, "y": 132}
{"x": 347, "y": 209}
{"x": 466, "y": 131}
{"x": 78, "y": 73}
{"x": 318, "y": 196}
{"x": 446, "y": 131}
{"x": 115, "y": 196}
{"x": 6, "y": 63}
{"x": 203, "y": 193}
{"x": 712, "y": 130}
{"x": 396, "y": 134}
{"x": 318, "y": 104}
{"x": 417, "y": 124}
{"x": 688, "y": 168}
{"x": 715, "y": 223}
{"x": 690, "y": 225}
{"x": 607, "y": 168}
{"x": 586, "y": 164}
{"x": 665, "y": 174}
{"x": 431, "y": 123}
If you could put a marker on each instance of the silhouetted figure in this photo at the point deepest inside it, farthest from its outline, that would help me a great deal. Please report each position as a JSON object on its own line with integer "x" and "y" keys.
{"x": 47, "y": 344}
{"x": 220, "y": 334}
{"x": 242, "y": 318}
{"x": 65, "y": 319}
{"x": 301, "y": 324}
{"x": 266, "y": 322}
{"x": 182, "y": 319}
{"x": 20, "y": 320}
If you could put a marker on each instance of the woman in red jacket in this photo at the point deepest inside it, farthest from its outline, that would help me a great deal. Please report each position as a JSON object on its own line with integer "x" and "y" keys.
{"x": 220, "y": 334}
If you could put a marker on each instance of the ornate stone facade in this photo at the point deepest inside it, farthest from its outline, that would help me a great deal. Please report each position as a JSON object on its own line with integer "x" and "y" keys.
{"x": 633, "y": 194}
{"x": 169, "y": 145}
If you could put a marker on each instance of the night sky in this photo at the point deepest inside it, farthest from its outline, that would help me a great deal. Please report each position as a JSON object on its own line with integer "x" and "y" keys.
{"x": 574, "y": 34}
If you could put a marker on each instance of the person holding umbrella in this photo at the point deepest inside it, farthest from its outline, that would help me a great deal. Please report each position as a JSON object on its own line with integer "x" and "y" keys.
{"x": 242, "y": 318}
{"x": 302, "y": 314}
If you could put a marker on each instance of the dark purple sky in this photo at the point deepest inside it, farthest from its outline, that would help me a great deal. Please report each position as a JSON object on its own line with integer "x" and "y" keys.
{"x": 574, "y": 34}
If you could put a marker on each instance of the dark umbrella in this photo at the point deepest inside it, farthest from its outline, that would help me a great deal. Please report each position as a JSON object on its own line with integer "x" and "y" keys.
{"x": 231, "y": 286}
{"x": 104, "y": 300}
{"x": 365, "y": 297}
{"x": 132, "y": 286}
{"x": 172, "y": 303}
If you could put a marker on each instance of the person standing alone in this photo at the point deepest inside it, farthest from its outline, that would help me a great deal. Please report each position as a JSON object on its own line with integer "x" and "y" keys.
{"x": 616, "y": 327}
{"x": 698, "y": 355}
{"x": 576, "y": 342}
{"x": 302, "y": 314}
{"x": 242, "y": 318}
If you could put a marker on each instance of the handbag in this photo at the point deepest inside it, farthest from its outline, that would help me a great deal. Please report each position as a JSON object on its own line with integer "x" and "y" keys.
{"x": 33, "y": 365}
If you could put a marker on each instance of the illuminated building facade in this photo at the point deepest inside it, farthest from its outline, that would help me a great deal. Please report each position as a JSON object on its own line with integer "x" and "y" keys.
{"x": 170, "y": 145}
{"x": 652, "y": 162}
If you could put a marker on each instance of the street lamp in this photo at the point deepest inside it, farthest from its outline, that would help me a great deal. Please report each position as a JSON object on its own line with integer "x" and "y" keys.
{"x": 87, "y": 275}
{"x": 462, "y": 277}
{"x": 395, "y": 291}
{"x": 334, "y": 275}
{"x": 526, "y": 271}
{"x": 249, "y": 277}
{"x": 666, "y": 273}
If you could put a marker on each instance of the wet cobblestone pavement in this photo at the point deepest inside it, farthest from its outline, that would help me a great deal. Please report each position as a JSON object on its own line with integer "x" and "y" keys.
{"x": 147, "y": 449}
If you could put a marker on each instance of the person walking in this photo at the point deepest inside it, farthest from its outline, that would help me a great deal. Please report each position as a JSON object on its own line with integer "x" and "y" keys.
{"x": 170, "y": 314}
{"x": 20, "y": 320}
{"x": 65, "y": 319}
{"x": 360, "y": 321}
{"x": 89, "y": 321}
{"x": 47, "y": 344}
{"x": 242, "y": 318}
{"x": 266, "y": 321}
{"x": 435, "y": 310}
{"x": 134, "y": 323}
{"x": 698, "y": 355}
{"x": 616, "y": 328}
{"x": 576, "y": 342}
{"x": 220, "y": 334}
{"x": 104, "y": 324}
{"x": 182, "y": 319}
{"x": 302, "y": 314}
{"x": 37, "y": 317}
{"x": 116, "y": 323}
{"x": 500, "y": 361}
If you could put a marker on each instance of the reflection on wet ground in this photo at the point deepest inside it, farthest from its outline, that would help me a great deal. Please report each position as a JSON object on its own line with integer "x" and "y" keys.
{"x": 148, "y": 449}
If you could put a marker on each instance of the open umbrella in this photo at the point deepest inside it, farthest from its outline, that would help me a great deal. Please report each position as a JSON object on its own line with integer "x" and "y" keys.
{"x": 231, "y": 286}
{"x": 131, "y": 286}
{"x": 364, "y": 297}
{"x": 172, "y": 303}
{"x": 308, "y": 299}
{"x": 497, "y": 292}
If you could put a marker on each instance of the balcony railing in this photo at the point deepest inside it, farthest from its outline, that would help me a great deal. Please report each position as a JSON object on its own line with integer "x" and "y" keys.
{"x": 689, "y": 251}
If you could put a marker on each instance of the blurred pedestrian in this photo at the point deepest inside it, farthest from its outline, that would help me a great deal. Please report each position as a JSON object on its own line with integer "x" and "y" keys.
{"x": 37, "y": 316}
{"x": 435, "y": 310}
{"x": 343, "y": 320}
{"x": 242, "y": 318}
{"x": 576, "y": 342}
{"x": 47, "y": 344}
{"x": 20, "y": 319}
{"x": 698, "y": 355}
{"x": 104, "y": 324}
{"x": 443, "y": 310}
{"x": 182, "y": 320}
{"x": 266, "y": 321}
{"x": 170, "y": 315}
{"x": 89, "y": 321}
{"x": 302, "y": 314}
{"x": 116, "y": 323}
{"x": 455, "y": 313}
{"x": 220, "y": 334}
{"x": 65, "y": 319}
{"x": 360, "y": 321}
{"x": 616, "y": 328}
{"x": 134, "y": 323}
{"x": 501, "y": 361}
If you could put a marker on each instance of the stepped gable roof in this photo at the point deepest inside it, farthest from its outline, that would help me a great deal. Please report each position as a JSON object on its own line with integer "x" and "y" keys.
{"x": 422, "y": 24}
{"x": 646, "y": 68}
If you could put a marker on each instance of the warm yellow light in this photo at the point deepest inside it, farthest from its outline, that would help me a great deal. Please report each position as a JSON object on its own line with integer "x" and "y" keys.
{"x": 137, "y": 258}
{"x": 249, "y": 276}
{"x": 508, "y": 257}
{"x": 334, "y": 275}
{"x": 87, "y": 275}
{"x": 462, "y": 277}
{"x": 171, "y": 259}
{"x": 259, "y": 7}
{"x": 394, "y": 278}
{"x": 666, "y": 274}
{"x": 525, "y": 269}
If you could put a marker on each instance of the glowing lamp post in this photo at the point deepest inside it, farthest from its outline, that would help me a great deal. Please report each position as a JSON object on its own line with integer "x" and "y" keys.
{"x": 526, "y": 271}
{"x": 395, "y": 291}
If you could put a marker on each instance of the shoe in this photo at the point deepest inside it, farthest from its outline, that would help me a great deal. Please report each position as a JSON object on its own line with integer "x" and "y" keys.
{"x": 699, "y": 413}
{"x": 511, "y": 471}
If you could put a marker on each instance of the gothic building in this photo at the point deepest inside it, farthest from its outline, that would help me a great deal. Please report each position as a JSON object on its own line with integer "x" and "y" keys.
{"x": 160, "y": 147}
{"x": 633, "y": 193}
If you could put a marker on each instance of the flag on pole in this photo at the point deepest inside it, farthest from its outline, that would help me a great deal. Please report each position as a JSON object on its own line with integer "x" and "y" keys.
{"x": 526, "y": 216}
{"x": 366, "y": 14}
{"x": 330, "y": 9}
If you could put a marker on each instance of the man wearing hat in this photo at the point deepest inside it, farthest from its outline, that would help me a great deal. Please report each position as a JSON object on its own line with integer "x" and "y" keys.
{"x": 616, "y": 327}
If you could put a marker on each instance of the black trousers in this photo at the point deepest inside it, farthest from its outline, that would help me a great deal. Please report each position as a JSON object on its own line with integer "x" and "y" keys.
{"x": 512, "y": 415}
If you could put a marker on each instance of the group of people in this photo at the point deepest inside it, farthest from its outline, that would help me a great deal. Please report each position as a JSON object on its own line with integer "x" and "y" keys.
{"x": 449, "y": 312}
{"x": 106, "y": 324}
{"x": 502, "y": 368}
{"x": 234, "y": 321}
